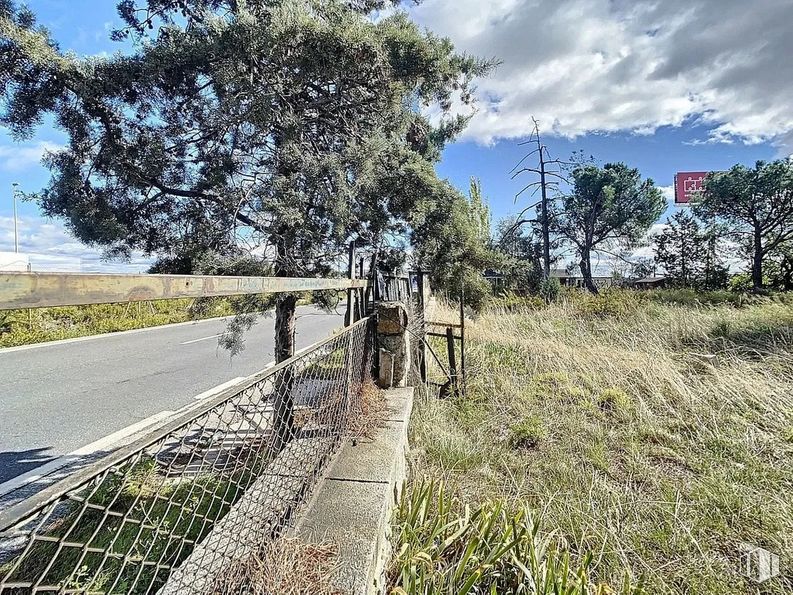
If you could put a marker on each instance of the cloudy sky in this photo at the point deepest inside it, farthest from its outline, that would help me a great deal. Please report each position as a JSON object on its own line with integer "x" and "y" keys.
{"x": 662, "y": 85}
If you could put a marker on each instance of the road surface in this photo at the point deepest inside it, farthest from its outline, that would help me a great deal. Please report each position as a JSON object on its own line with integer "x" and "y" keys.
{"x": 57, "y": 398}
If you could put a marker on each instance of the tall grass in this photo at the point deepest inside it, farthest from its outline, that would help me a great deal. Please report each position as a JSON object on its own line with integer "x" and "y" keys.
{"x": 651, "y": 438}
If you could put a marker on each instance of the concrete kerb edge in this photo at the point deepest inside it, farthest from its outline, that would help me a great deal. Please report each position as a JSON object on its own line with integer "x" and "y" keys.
{"x": 352, "y": 504}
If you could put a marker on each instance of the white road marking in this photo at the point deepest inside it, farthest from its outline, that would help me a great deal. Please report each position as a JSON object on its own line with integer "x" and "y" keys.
{"x": 101, "y": 444}
{"x": 220, "y": 387}
{"x": 202, "y": 339}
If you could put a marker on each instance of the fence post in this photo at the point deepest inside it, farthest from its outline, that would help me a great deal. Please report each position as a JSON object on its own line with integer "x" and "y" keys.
{"x": 393, "y": 342}
{"x": 452, "y": 357}
{"x": 422, "y": 307}
{"x": 462, "y": 338}
{"x": 362, "y": 302}
{"x": 350, "y": 313}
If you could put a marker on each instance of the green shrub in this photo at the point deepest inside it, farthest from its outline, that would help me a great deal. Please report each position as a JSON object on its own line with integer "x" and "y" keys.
{"x": 608, "y": 303}
{"x": 614, "y": 399}
{"x": 527, "y": 433}
{"x": 741, "y": 282}
{"x": 550, "y": 289}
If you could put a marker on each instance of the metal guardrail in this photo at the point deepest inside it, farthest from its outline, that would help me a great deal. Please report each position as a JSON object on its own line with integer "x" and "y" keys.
{"x": 195, "y": 497}
{"x": 39, "y": 290}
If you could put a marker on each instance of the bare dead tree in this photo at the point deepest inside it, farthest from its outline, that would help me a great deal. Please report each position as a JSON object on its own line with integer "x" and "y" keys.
{"x": 549, "y": 171}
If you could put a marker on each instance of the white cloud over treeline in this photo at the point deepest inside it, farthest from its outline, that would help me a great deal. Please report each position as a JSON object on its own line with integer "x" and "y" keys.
{"x": 583, "y": 66}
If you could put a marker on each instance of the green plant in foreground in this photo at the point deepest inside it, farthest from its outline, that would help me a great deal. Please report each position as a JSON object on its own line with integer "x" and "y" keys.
{"x": 447, "y": 547}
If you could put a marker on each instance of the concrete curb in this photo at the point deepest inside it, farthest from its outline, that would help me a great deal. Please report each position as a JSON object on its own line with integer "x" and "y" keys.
{"x": 352, "y": 506}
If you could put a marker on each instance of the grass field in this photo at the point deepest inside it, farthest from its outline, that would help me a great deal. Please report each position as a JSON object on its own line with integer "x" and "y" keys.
{"x": 23, "y": 327}
{"x": 623, "y": 442}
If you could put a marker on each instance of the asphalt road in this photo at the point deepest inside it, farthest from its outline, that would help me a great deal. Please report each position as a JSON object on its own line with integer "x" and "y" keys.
{"x": 56, "y": 398}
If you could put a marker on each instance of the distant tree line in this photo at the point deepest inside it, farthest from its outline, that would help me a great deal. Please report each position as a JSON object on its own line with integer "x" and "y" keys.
{"x": 742, "y": 218}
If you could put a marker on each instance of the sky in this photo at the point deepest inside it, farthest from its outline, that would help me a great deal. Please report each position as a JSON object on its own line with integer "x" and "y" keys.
{"x": 678, "y": 85}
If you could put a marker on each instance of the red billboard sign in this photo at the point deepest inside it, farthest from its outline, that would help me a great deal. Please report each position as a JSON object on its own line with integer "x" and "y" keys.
{"x": 688, "y": 184}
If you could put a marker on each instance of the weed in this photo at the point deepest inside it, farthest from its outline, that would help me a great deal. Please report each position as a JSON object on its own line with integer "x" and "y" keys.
{"x": 527, "y": 433}
{"x": 449, "y": 547}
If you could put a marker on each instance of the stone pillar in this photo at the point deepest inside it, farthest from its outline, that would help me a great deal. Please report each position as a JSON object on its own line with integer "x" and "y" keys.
{"x": 394, "y": 343}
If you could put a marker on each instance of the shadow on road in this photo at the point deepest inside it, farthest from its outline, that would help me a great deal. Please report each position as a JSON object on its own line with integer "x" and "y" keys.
{"x": 13, "y": 463}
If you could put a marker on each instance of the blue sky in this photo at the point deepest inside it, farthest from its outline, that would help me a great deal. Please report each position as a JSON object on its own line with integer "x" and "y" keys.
{"x": 664, "y": 91}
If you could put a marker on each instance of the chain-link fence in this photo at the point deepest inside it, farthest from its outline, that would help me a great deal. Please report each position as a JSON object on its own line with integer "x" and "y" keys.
{"x": 181, "y": 506}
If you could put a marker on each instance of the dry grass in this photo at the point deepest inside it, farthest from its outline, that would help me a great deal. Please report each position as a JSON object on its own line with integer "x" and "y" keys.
{"x": 372, "y": 414}
{"x": 286, "y": 566}
{"x": 655, "y": 437}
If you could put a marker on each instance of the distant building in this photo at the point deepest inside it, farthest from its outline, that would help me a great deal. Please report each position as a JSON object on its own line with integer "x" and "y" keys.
{"x": 14, "y": 262}
{"x": 570, "y": 280}
{"x": 498, "y": 281}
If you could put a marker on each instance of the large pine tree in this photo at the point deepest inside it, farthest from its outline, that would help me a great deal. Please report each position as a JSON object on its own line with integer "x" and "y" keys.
{"x": 290, "y": 125}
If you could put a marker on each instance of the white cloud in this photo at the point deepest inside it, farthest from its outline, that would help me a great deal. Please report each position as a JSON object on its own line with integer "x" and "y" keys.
{"x": 581, "y": 66}
{"x": 668, "y": 192}
{"x": 51, "y": 248}
{"x": 16, "y": 158}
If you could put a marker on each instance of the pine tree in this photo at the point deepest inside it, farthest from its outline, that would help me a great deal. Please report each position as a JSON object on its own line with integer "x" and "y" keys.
{"x": 293, "y": 126}
{"x": 607, "y": 204}
{"x": 689, "y": 253}
{"x": 755, "y": 205}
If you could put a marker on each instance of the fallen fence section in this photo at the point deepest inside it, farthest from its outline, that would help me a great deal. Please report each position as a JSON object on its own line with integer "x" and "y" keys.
{"x": 201, "y": 492}
{"x": 39, "y": 290}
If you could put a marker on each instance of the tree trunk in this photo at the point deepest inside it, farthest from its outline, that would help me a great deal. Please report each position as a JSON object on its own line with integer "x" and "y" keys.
{"x": 757, "y": 262}
{"x": 285, "y": 310}
{"x": 586, "y": 271}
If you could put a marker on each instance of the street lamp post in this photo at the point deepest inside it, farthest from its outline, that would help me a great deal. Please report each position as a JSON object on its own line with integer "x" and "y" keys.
{"x": 16, "y": 231}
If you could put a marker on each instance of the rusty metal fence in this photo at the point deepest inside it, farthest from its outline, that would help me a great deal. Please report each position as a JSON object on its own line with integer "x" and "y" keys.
{"x": 183, "y": 505}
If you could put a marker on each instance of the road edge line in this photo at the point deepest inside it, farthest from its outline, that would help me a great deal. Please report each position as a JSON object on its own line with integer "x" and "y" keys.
{"x": 58, "y": 463}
